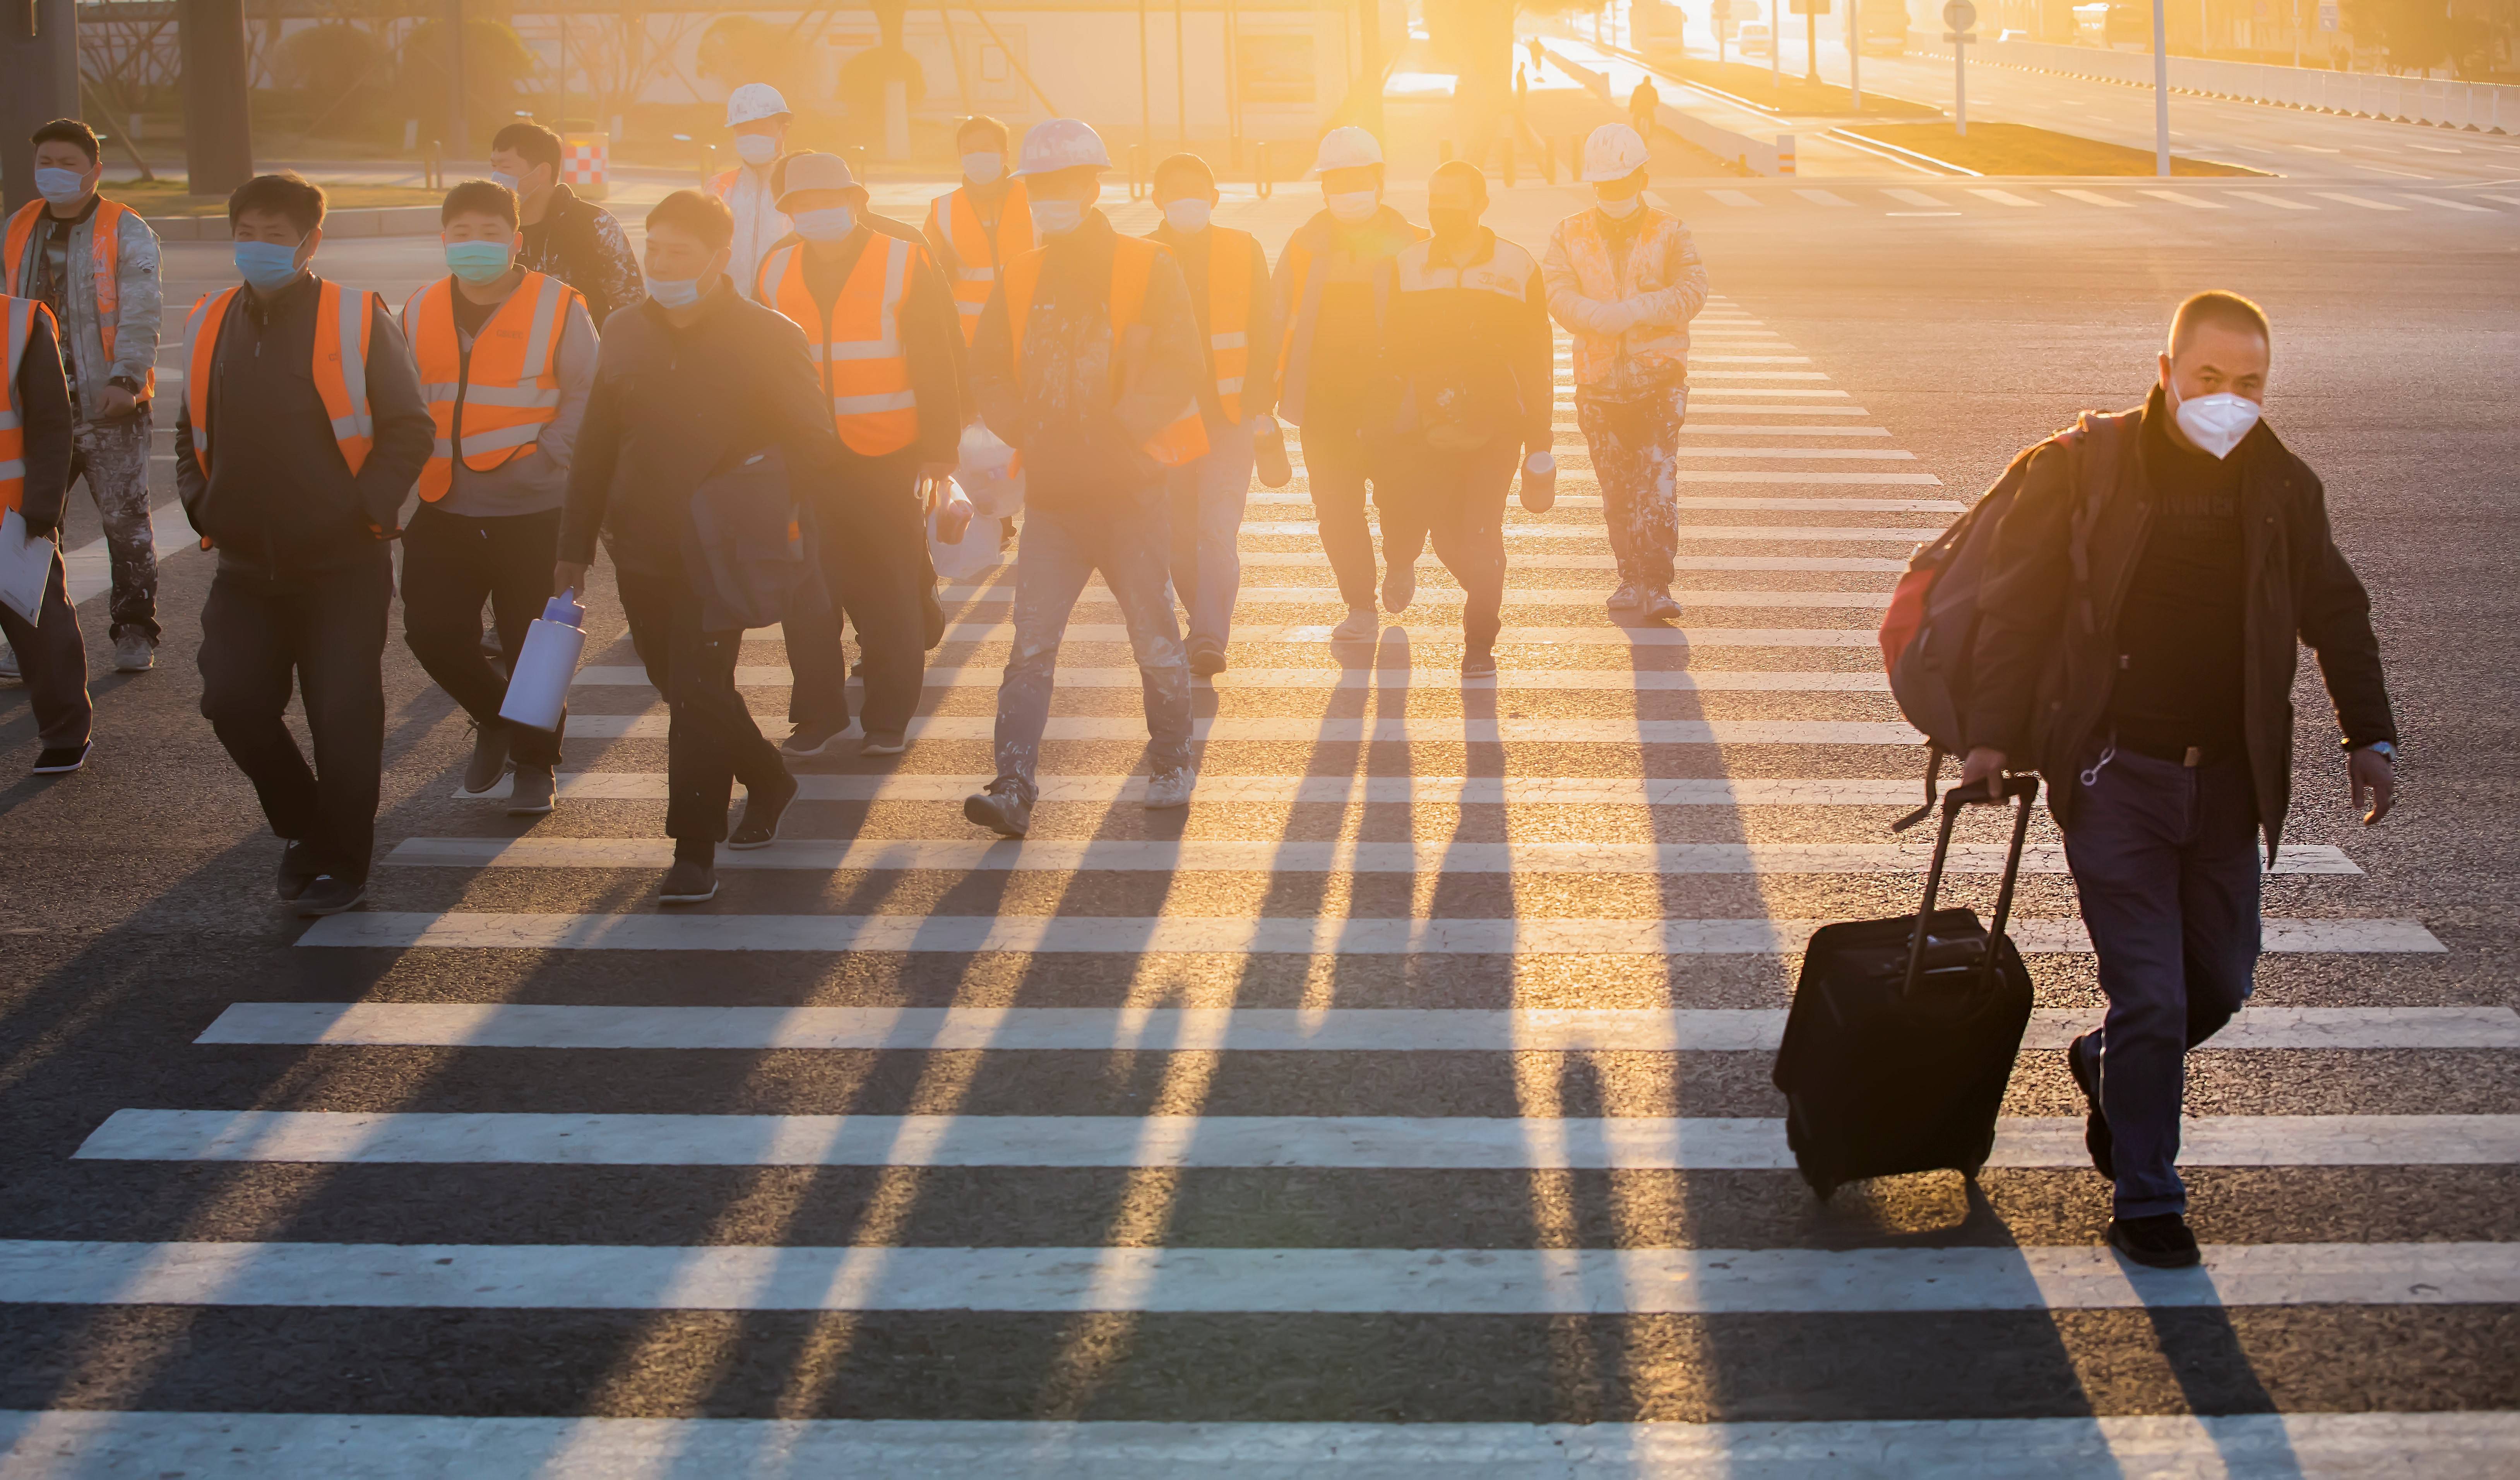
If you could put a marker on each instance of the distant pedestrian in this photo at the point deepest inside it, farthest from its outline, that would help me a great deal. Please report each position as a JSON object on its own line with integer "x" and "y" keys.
{"x": 758, "y": 117}
{"x": 1468, "y": 348}
{"x": 506, "y": 357}
{"x": 979, "y": 226}
{"x": 881, "y": 328}
{"x": 691, "y": 386}
{"x": 1089, "y": 363}
{"x": 2140, "y": 623}
{"x": 1228, "y": 278}
{"x": 1625, "y": 278}
{"x": 94, "y": 263}
{"x": 36, "y": 446}
{"x": 1644, "y": 107}
{"x": 558, "y": 234}
{"x": 302, "y": 428}
{"x": 1332, "y": 340}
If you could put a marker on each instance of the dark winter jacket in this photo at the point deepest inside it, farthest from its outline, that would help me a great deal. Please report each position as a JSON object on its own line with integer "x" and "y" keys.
{"x": 579, "y": 243}
{"x": 42, "y": 400}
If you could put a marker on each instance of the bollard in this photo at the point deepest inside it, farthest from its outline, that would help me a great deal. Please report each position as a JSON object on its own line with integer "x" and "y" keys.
{"x": 1785, "y": 154}
{"x": 432, "y": 166}
{"x": 1261, "y": 185}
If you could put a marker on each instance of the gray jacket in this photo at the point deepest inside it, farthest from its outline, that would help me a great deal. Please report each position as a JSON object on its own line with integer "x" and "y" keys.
{"x": 136, "y": 315}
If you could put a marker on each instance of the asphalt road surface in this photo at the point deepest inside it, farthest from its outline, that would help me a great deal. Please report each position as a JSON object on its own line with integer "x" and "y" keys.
{"x": 1401, "y": 1108}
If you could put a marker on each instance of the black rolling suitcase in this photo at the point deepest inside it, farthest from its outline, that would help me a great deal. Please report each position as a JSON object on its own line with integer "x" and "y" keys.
{"x": 1900, "y": 1041}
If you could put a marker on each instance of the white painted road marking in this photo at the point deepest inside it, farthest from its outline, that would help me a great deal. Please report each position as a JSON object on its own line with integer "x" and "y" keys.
{"x": 1214, "y": 788}
{"x": 1291, "y": 730}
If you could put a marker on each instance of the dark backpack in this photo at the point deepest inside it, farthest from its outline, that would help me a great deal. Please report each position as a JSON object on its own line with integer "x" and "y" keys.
{"x": 1929, "y": 635}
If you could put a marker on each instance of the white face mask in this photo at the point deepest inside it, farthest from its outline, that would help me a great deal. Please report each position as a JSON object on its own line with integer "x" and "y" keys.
{"x": 61, "y": 187}
{"x": 1057, "y": 218}
{"x": 1620, "y": 210}
{"x": 756, "y": 149}
{"x": 984, "y": 167}
{"x": 829, "y": 224}
{"x": 1187, "y": 216}
{"x": 2216, "y": 422}
{"x": 1352, "y": 207}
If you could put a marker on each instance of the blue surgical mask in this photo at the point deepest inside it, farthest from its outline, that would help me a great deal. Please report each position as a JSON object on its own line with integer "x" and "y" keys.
{"x": 266, "y": 266}
{"x": 826, "y": 225}
{"x": 61, "y": 187}
{"x": 984, "y": 167}
{"x": 1353, "y": 207}
{"x": 506, "y": 182}
{"x": 1187, "y": 216}
{"x": 674, "y": 292}
{"x": 478, "y": 262}
{"x": 1057, "y": 218}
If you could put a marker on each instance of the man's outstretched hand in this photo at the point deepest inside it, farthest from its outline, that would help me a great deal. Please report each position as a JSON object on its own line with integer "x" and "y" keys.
{"x": 1984, "y": 765}
{"x": 2373, "y": 772}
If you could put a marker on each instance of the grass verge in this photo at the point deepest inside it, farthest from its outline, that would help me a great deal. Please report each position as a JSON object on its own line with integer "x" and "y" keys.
{"x": 1794, "y": 94}
{"x": 2018, "y": 148}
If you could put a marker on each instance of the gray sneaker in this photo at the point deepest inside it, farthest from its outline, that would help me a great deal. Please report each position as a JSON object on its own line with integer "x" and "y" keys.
{"x": 1170, "y": 787}
{"x": 531, "y": 793}
{"x": 134, "y": 653}
{"x": 1002, "y": 808}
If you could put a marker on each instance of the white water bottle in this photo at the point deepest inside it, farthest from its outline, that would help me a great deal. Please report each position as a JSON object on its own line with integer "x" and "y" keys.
{"x": 538, "y": 690}
{"x": 1539, "y": 483}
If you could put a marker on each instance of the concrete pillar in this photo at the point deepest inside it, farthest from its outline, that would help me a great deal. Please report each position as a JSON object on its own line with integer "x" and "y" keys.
{"x": 219, "y": 128}
{"x": 38, "y": 82}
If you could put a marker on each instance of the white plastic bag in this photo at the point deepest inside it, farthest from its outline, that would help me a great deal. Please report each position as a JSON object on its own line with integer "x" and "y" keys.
{"x": 975, "y": 552}
{"x": 989, "y": 473}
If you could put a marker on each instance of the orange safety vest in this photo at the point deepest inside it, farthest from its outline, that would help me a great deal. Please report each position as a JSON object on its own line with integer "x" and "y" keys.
{"x": 22, "y": 316}
{"x": 343, "y": 321}
{"x": 979, "y": 258}
{"x": 497, "y": 399}
{"x": 1299, "y": 306}
{"x": 1133, "y": 262}
{"x": 858, "y": 347}
{"x": 105, "y": 261}
{"x": 1230, "y": 260}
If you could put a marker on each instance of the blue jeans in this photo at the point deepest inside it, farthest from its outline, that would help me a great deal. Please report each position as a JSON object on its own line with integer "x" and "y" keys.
{"x": 2165, "y": 861}
{"x": 1057, "y": 553}
{"x": 1207, "y": 520}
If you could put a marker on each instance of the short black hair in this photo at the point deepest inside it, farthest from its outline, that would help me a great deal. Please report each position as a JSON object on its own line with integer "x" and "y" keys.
{"x": 68, "y": 131}
{"x": 1184, "y": 164}
{"x": 699, "y": 212}
{"x": 483, "y": 197}
{"x": 2217, "y": 307}
{"x": 287, "y": 193}
{"x": 536, "y": 143}
{"x": 1460, "y": 169}
{"x": 982, "y": 123}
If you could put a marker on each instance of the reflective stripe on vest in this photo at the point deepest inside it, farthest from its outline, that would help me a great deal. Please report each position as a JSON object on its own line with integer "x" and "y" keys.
{"x": 20, "y": 328}
{"x": 497, "y": 399}
{"x": 105, "y": 269}
{"x": 858, "y": 347}
{"x": 1230, "y": 260}
{"x": 1133, "y": 261}
{"x": 342, "y": 319}
{"x": 979, "y": 258}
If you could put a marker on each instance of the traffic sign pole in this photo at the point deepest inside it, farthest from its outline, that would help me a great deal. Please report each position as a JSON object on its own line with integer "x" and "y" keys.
{"x": 1855, "y": 51}
{"x": 2160, "y": 91}
{"x": 1960, "y": 16}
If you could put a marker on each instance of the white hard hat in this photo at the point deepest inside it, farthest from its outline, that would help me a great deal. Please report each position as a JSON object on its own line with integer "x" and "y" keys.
{"x": 753, "y": 102}
{"x": 1613, "y": 153}
{"x": 1060, "y": 144}
{"x": 1347, "y": 147}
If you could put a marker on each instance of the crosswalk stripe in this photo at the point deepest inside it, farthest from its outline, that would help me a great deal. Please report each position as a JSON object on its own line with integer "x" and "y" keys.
{"x": 1598, "y": 637}
{"x": 1823, "y": 198}
{"x": 1310, "y": 935}
{"x": 1735, "y": 197}
{"x": 2183, "y": 198}
{"x": 1573, "y": 730}
{"x": 1310, "y": 680}
{"x": 1803, "y": 534}
{"x": 1289, "y": 1281}
{"x": 1749, "y": 359}
{"x": 1711, "y": 429}
{"x": 2363, "y": 201}
{"x": 1257, "y": 1030}
{"x": 2094, "y": 197}
{"x": 1913, "y": 197}
{"x": 1702, "y": 392}
{"x": 2000, "y": 196}
{"x": 389, "y": 1446}
{"x": 1216, "y": 790}
{"x": 1351, "y": 1143}
{"x": 1547, "y": 559}
{"x": 1434, "y": 588}
{"x": 1051, "y": 855}
{"x": 1713, "y": 502}
{"x": 1695, "y": 374}
{"x": 2451, "y": 203}
{"x": 2279, "y": 203}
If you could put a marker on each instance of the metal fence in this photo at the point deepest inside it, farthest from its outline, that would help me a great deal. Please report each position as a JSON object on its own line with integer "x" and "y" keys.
{"x": 2486, "y": 107}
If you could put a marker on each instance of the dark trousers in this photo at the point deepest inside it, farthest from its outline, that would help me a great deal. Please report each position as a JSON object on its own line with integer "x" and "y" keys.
{"x": 450, "y": 565}
{"x": 711, "y": 742}
{"x": 1459, "y": 499}
{"x": 872, "y": 550}
{"x": 52, "y": 660}
{"x": 1337, "y": 469}
{"x": 2165, "y": 859}
{"x": 325, "y": 630}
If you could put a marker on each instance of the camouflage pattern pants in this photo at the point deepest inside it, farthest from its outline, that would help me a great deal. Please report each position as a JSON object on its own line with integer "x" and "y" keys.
{"x": 1635, "y": 443}
{"x": 113, "y": 458}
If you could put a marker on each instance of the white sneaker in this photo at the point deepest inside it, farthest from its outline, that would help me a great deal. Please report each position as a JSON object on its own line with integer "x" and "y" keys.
{"x": 1361, "y": 623}
{"x": 1170, "y": 788}
{"x": 1659, "y": 605}
{"x": 1626, "y": 598}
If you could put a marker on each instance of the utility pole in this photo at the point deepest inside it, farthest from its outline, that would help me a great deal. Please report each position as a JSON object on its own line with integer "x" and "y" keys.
{"x": 2160, "y": 89}
{"x": 219, "y": 128}
{"x": 1855, "y": 51}
{"x": 39, "y": 81}
{"x": 1369, "y": 54}
{"x": 1180, "y": 83}
{"x": 459, "y": 140}
{"x": 1146, "y": 87}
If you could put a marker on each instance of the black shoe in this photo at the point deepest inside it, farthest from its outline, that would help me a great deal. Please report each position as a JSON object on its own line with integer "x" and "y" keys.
{"x": 2161, "y": 1242}
{"x": 2095, "y": 1126}
{"x": 63, "y": 760}
{"x": 1002, "y": 808}
{"x": 1478, "y": 665}
{"x": 331, "y": 894}
{"x": 1207, "y": 661}
{"x": 299, "y": 868}
{"x": 688, "y": 883}
{"x": 811, "y": 740}
{"x": 762, "y": 812}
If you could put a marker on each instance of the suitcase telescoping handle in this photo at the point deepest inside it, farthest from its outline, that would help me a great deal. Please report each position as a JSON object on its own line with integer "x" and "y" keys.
{"x": 2026, "y": 790}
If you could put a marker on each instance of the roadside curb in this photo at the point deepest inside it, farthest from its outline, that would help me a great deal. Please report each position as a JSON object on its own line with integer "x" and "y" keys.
{"x": 358, "y": 221}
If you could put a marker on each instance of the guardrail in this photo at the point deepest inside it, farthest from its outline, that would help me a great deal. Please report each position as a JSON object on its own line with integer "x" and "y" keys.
{"x": 1755, "y": 156}
{"x": 2484, "y": 107}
